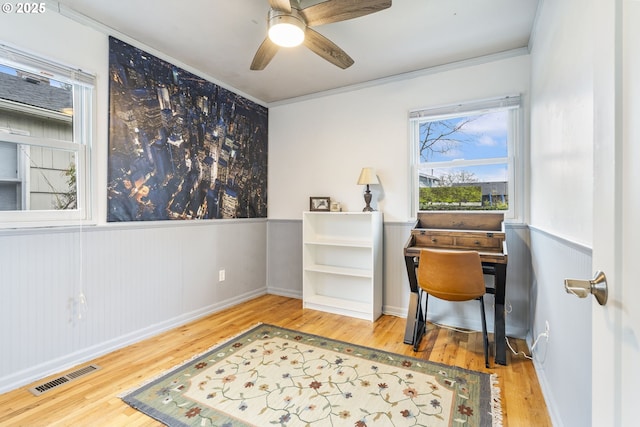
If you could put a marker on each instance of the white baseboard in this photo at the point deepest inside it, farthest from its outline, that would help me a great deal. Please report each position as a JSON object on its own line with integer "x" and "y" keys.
{"x": 395, "y": 311}
{"x": 284, "y": 292}
{"x": 547, "y": 393}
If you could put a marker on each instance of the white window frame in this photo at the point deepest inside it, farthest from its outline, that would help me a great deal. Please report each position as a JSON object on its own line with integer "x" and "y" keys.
{"x": 512, "y": 103}
{"x": 22, "y": 154}
{"x": 83, "y": 104}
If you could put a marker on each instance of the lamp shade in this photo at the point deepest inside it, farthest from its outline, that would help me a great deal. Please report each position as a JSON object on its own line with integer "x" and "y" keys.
{"x": 368, "y": 176}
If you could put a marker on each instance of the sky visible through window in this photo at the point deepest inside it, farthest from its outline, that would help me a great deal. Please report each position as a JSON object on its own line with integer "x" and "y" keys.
{"x": 472, "y": 137}
{"x": 7, "y": 70}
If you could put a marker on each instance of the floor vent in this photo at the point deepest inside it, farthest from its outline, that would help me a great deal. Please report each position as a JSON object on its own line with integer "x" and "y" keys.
{"x": 50, "y": 385}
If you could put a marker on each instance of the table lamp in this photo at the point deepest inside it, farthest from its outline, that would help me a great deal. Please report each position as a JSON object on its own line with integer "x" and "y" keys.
{"x": 368, "y": 176}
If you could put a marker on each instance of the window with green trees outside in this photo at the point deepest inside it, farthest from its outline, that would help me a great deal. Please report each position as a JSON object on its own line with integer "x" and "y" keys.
{"x": 465, "y": 156}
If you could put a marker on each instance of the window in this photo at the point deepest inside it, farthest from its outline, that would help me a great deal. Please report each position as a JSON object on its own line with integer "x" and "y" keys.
{"x": 464, "y": 156}
{"x": 45, "y": 141}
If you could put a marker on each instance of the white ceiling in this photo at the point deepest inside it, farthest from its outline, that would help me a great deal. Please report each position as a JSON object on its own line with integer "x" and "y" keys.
{"x": 220, "y": 37}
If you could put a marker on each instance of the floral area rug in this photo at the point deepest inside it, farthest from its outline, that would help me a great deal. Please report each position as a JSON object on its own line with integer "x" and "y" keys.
{"x": 270, "y": 376}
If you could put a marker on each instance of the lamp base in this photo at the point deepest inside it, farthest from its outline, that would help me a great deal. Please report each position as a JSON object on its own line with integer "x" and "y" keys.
{"x": 367, "y": 200}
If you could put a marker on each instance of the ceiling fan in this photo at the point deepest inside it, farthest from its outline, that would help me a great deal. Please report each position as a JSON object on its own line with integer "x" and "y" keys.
{"x": 289, "y": 26}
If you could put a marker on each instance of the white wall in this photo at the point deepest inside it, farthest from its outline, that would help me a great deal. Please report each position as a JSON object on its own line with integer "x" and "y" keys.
{"x": 561, "y": 202}
{"x": 318, "y": 146}
{"x": 562, "y": 121}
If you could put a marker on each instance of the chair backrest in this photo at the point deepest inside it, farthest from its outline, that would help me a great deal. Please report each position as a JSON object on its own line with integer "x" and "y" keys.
{"x": 451, "y": 275}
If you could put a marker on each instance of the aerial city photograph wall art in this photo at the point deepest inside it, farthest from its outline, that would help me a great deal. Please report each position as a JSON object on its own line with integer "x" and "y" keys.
{"x": 181, "y": 147}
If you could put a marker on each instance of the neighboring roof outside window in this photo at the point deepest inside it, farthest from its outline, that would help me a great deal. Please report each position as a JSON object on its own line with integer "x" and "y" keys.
{"x": 35, "y": 91}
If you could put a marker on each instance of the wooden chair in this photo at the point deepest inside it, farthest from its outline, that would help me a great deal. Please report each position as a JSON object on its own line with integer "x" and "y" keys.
{"x": 451, "y": 276}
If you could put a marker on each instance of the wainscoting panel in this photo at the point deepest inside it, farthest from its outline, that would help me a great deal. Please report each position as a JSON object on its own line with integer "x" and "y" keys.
{"x": 70, "y": 295}
{"x": 285, "y": 275}
{"x": 284, "y": 257}
{"x": 563, "y": 362}
{"x": 396, "y": 283}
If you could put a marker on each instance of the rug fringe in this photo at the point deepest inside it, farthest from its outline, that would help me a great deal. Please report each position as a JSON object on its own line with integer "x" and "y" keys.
{"x": 496, "y": 402}
{"x": 166, "y": 371}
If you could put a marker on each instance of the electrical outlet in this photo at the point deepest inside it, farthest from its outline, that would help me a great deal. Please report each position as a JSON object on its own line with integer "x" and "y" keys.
{"x": 221, "y": 275}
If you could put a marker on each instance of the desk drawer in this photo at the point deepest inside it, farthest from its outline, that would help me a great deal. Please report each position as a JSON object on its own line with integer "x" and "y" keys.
{"x": 481, "y": 242}
{"x": 433, "y": 239}
{"x": 449, "y": 239}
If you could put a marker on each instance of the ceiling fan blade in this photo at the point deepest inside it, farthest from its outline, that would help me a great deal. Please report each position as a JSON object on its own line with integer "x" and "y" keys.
{"x": 283, "y": 5}
{"x": 264, "y": 54}
{"x": 327, "y": 49}
{"x": 340, "y": 10}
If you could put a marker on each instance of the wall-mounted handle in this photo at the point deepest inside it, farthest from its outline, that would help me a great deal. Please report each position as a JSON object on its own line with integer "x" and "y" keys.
{"x": 582, "y": 288}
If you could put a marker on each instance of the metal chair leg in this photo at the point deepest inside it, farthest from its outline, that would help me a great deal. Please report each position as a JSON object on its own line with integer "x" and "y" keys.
{"x": 417, "y": 333}
{"x": 485, "y": 337}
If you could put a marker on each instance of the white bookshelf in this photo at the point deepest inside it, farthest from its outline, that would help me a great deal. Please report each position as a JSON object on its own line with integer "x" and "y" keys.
{"x": 342, "y": 263}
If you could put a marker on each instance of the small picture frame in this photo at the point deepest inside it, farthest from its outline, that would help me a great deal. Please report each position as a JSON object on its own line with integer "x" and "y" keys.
{"x": 321, "y": 204}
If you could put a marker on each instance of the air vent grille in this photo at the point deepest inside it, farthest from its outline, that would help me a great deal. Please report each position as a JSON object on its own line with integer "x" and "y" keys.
{"x": 50, "y": 385}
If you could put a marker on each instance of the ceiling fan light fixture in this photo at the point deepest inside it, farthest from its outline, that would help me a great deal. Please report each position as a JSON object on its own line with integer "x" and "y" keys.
{"x": 285, "y": 30}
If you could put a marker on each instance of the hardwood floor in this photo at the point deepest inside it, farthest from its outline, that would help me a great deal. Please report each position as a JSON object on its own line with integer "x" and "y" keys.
{"x": 93, "y": 400}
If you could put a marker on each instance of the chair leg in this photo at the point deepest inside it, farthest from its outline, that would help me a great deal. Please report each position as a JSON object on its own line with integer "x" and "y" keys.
{"x": 417, "y": 335}
{"x": 485, "y": 337}
{"x": 418, "y": 329}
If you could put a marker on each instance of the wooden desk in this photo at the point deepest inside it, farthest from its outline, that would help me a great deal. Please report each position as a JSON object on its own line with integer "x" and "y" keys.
{"x": 481, "y": 232}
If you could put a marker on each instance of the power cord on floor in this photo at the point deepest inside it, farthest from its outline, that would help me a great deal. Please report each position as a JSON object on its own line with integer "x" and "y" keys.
{"x": 533, "y": 346}
{"x": 508, "y": 310}
{"x": 516, "y": 353}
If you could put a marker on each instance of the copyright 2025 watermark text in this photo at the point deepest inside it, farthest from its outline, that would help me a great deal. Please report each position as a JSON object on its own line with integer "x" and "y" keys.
{"x": 24, "y": 8}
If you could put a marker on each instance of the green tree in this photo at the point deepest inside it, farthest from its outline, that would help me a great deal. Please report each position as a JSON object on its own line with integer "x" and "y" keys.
{"x": 456, "y": 197}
